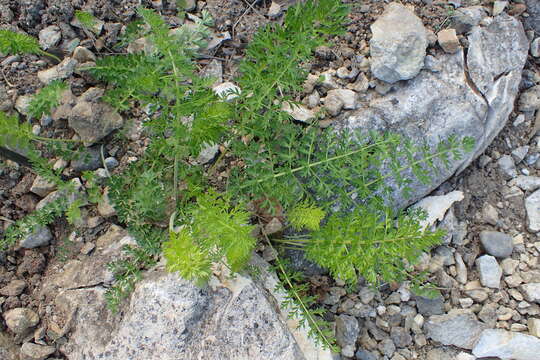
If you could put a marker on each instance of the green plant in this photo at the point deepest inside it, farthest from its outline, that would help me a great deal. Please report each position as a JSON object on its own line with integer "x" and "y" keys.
{"x": 46, "y": 99}
{"x": 327, "y": 187}
{"x": 13, "y": 43}
{"x": 86, "y": 19}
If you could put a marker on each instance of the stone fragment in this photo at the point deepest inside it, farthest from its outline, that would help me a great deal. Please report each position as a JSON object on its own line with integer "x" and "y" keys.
{"x": 507, "y": 167}
{"x": 531, "y": 292}
{"x": 33, "y": 351}
{"x": 59, "y": 72}
{"x": 504, "y": 344}
{"x": 22, "y": 104}
{"x": 42, "y": 187}
{"x": 532, "y": 205}
{"x": 448, "y": 40}
{"x": 49, "y": 37}
{"x": 535, "y": 47}
{"x": 14, "y": 288}
{"x": 499, "y": 6}
{"x": 401, "y": 337}
{"x": 41, "y": 236}
{"x": 20, "y": 320}
{"x": 526, "y": 183}
{"x": 347, "y": 97}
{"x": 489, "y": 270}
{"x": 534, "y": 327}
{"x": 274, "y": 10}
{"x": 398, "y": 45}
{"x": 83, "y": 55}
{"x": 347, "y": 330}
{"x": 457, "y": 328}
{"x": 298, "y": 112}
{"x": 465, "y": 19}
{"x": 497, "y": 244}
{"x": 105, "y": 207}
{"x": 428, "y": 307}
{"x": 529, "y": 100}
{"x": 93, "y": 119}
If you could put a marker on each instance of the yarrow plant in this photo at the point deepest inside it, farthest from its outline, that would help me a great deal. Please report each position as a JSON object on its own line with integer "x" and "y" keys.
{"x": 327, "y": 187}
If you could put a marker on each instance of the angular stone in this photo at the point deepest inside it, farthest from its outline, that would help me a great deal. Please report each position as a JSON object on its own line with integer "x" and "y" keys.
{"x": 532, "y": 205}
{"x": 299, "y": 112}
{"x": 398, "y": 45}
{"x": 531, "y": 292}
{"x": 20, "y": 320}
{"x": 59, "y": 72}
{"x": 347, "y": 330}
{"x": 42, "y": 187}
{"x": 534, "y": 327}
{"x": 448, "y": 40}
{"x": 465, "y": 19}
{"x": 92, "y": 119}
{"x": 497, "y": 244}
{"x": 529, "y": 100}
{"x": 457, "y": 328}
{"x": 507, "y": 345}
{"x": 428, "y": 307}
{"x": 36, "y": 352}
{"x": 83, "y": 55}
{"x": 526, "y": 183}
{"x": 49, "y": 37}
{"x": 535, "y": 47}
{"x": 489, "y": 270}
{"x": 507, "y": 167}
{"x": 40, "y": 237}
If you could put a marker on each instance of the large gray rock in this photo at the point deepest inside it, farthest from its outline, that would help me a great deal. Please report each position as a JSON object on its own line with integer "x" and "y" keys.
{"x": 442, "y": 100}
{"x": 170, "y": 318}
{"x": 398, "y": 46}
{"x": 457, "y": 328}
{"x": 507, "y": 345}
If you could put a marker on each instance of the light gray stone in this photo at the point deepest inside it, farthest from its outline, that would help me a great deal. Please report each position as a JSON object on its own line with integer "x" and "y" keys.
{"x": 489, "y": 271}
{"x": 499, "y": 6}
{"x": 40, "y": 237}
{"x": 59, "y": 72}
{"x": 448, "y": 104}
{"x": 398, "y": 45}
{"x": 507, "y": 167}
{"x": 457, "y": 328}
{"x": 535, "y": 47}
{"x": 49, "y": 37}
{"x": 347, "y": 330}
{"x": 529, "y": 100}
{"x": 507, "y": 345}
{"x": 23, "y": 103}
{"x": 531, "y": 292}
{"x": 526, "y": 183}
{"x": 532, "y": 205}
{"x": 496, "y": 243}
{"x": 168, "y": 318}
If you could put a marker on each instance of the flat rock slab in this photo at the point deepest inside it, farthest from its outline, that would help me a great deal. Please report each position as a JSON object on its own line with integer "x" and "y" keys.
{"x": 456, "y": 328}
{"x": 444, "y": 99}
{"x": 507, "y": 345}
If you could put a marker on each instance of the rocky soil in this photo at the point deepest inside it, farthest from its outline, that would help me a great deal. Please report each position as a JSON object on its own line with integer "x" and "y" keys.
{"x": 466, "y": 67}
